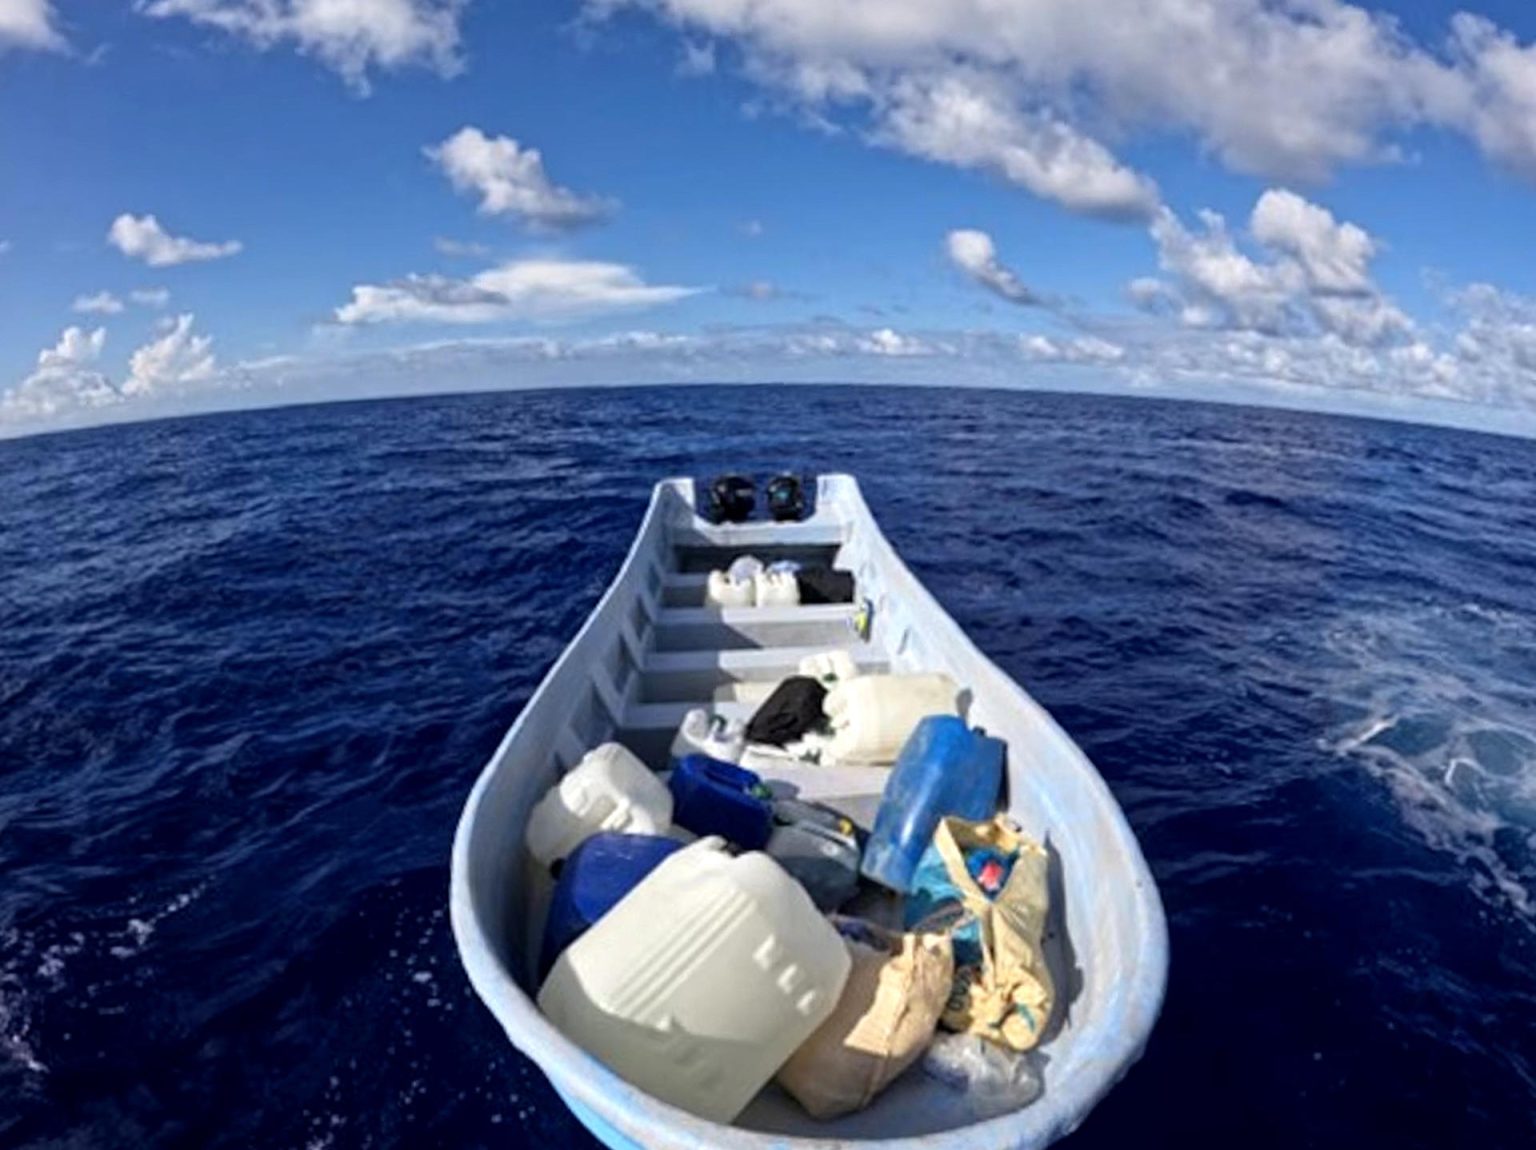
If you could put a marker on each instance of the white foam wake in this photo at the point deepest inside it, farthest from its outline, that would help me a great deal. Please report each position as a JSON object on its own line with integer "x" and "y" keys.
{"x": 1441, "y": 706}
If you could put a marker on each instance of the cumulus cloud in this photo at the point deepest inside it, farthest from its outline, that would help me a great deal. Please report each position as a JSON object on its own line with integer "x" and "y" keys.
{"x": 1499, "y": 106}
{"x": 350, "y": 36}
{"x": 65, "y": 378}
{"x": 68, "y": 383}
{"x": 1310, "y": 273}
{"x": 1077, "y": 350}
{"x": 1497, "y": 341}
{"x": 142, "y": 238}
{"x": 961, "y": 121}
{"x": 29, "y": 24}
{"x": 1335, "y": 257}
{"x": 510, "y": 181}
{"x": 886, "y": 341}
{"x": 1323, "y": 363}
{"x": 1286, "y": 89}
{"x": 530, "y": 289}
{"x": 102, "y": 303}
{"x": 974, "y": 253}
{"x": 177, "y": 357}
{"x": 150, "y": 297}
{"x": 1492, "y": 363}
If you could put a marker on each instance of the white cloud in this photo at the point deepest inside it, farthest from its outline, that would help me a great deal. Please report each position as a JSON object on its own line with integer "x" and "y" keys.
{"x": 102, "y": 303}
{"x": 1217, "y": 283}
{"x": 150, "y": 297}
{"x": 1078, "y": 350}
{"x": 29, "y": 24}
{"x": 67, "y": 383}
{"x": 350, "y": 36}
{"x": 1335, "y": 257}
{"x": 177, "y": 357}
{"x": 761, "y": 291}
{"x": 974, "y": 253}
{"x": 1486, "y": 378}
{"x": 885, "y": 341}
{"x": 1322, "y": 363}
{"x": 698, "y": 59}
{"x": 1311, "y": 274}
{"x": 530, "y": 289}
{"x": 1287, "y": 89}
{"x": 958, "y": 120}
{"x": 1499, "y": 110}
{"x": 142, "y": 238}
{"x": 510, "y": 181}
{"x": 1497, "y": 342}
{"x": 65, "y": 378}
{"x": 460, "y": 249}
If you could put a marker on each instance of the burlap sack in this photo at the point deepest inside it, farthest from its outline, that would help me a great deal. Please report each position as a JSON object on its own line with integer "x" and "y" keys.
{"x": 884, "y": 1020}
{"x": 1007, "y": 995}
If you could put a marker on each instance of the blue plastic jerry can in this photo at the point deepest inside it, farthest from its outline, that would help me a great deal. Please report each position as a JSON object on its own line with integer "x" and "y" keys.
{"x": 944, "y": 769}
{"x": 710, "y": 797}
{"x": 593, "y": 880}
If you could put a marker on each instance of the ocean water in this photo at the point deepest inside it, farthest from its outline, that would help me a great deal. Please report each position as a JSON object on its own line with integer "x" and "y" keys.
{"x": 250, "y": 665}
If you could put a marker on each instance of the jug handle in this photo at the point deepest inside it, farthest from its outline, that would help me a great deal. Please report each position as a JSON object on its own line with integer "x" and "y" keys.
{"x": 618, "y": 818}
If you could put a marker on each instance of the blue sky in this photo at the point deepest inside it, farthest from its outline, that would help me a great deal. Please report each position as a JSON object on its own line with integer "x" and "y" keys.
{"x": 213, "y": 203}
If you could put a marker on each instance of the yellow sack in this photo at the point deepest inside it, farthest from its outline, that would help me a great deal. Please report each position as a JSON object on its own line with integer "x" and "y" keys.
{"x": 883, "y": 1022}
{"x": 1002, "y": 989}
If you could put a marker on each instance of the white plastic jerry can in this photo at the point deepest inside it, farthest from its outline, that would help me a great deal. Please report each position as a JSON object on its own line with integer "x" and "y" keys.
{"x": 714, "y": 735}
{"x": 609, "y": 790}
{"x": 776, "y": 589}
{"x": 702, "y": 981}
{"x": 872, "y": 716}
{"x": 744, "y": 568}
{"x": 829, "y": 667}
{"x": 723, "y": 591}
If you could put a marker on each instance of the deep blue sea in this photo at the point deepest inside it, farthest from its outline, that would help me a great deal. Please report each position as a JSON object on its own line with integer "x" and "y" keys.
{"x": 250, "y": 665}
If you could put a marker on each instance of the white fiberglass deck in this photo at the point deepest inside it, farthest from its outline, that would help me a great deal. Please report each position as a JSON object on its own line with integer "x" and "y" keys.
{"x": 650, "y": 651}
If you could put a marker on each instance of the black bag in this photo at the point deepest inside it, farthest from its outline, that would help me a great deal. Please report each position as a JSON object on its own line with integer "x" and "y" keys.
{"x": 820, "y": 585}
{"x": 786, "y": 715}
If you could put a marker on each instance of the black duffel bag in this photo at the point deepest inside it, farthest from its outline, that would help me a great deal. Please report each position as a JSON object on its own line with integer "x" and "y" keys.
{"x": 786, "y": 715}
{"x": 822, "y": 585}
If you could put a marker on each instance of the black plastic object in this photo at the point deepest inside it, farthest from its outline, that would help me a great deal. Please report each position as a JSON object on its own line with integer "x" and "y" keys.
{"x": 786, "y": 715}
{"x": 785, "y": 497}
{"x": 819, "y": 585}
{"x": 731, "y": 499}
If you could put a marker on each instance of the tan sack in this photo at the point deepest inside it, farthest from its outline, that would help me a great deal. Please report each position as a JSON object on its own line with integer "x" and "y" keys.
{"x": 1002, "y": 991}
{"x": 883, "y": 1022}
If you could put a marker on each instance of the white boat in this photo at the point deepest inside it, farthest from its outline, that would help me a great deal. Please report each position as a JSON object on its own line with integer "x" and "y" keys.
{"x": 649, "y": 652}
